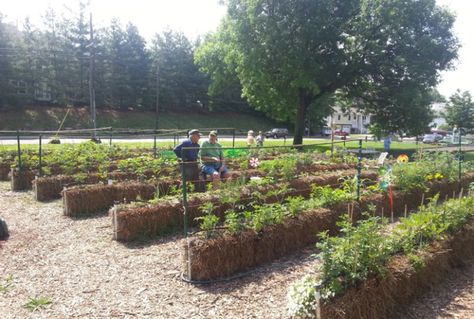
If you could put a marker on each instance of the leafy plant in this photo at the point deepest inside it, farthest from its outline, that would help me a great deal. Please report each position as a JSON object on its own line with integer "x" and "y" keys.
{"x": 209, "y": 221}
{"x": 361, "y": 251}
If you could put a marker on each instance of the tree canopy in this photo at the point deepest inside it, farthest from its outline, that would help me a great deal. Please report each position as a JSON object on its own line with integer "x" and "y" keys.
{"x": 290, "y": 55}
{"x": 460, "y": 110}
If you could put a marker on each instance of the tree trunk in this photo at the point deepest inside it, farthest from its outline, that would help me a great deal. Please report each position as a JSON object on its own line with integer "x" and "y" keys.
{"x": 303, "y": 104}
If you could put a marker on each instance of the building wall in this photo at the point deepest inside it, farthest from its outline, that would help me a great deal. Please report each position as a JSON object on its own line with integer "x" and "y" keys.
{"x": 351, "y": 122}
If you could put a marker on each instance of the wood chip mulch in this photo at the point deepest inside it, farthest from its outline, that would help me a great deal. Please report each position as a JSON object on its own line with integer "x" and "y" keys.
{"x": 75, "y": 264}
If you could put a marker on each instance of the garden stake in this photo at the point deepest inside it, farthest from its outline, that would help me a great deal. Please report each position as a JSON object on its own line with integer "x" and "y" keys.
{"x": 359, "y": 168}
{"x": 19, "y": 150}
{"x": 454, "y": 194}
{"x": 189, "y": 258}
{"x": 110, "y": 140}
{"x": 390, "y": 192}
{"x": 318, "y": 301}
{"x": 405, "y": 211}
{"x": 422, "y": 199}
{"x": 233, "y": 138}
{"x": 185, "y": 197}
{"x": 154, "y": 145}
{"x": 40, "y": 156}
{"x": 461, "y": 192}
{"x": 382, "y": 212}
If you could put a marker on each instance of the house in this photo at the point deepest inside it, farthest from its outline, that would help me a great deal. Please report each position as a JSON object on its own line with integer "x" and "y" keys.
{"x": 350, "y": 121}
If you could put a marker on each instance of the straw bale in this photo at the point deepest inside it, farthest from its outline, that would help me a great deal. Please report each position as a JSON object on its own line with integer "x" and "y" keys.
{"x": 47, "y": 188}
{"x": 134, "y": 222}
{"x": 21, "y": 180}
{"x": 278, "y": 240}
{"x": 225, "y": 255}
{"x": 4, "y": 170}
{"x": 380, "y": 297}
{"x": 99, "y": 198}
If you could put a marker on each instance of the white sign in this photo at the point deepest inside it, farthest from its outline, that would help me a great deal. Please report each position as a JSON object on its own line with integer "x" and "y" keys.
{"x": 382, "y": 157}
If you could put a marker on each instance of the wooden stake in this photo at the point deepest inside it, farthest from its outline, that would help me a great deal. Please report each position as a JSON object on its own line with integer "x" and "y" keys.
{"x": 461, "y": 193}
{"x": 422, "y": 199}
{"x": 454, "y": 194}
{"x": 382, "y": 212}
{"x": 406, "y": 208}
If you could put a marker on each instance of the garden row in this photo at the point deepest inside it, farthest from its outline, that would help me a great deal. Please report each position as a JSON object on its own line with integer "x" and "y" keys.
{"x": 372, "y": 270}
{"x": 131, "y": 221}
{"x": 226, "y": 254}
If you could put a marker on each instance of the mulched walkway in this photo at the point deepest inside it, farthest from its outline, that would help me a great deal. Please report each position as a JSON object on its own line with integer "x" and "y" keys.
{"x": 76, "y": 265}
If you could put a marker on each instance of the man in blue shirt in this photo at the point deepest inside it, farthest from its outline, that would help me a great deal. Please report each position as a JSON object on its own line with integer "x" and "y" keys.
{"x": 188, "y": 151}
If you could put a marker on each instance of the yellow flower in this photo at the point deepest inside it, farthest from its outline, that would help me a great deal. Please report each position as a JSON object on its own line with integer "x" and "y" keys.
{"x": 438, "y": 176}
{"x": 403, "y": 158}
{"x": 429, "y": 177}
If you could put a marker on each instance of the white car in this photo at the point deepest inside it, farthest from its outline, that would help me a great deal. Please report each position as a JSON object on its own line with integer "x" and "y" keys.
{"x": 432, "y": 138}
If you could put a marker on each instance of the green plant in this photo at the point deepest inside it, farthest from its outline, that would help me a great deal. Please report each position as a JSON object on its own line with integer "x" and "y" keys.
{"x": 208, "y": 224}
{"x": 361, "y": 251}
{"x": 35, "y": 304}
{"x": 209, "y": 221}
{"x": 233, "y": 222}
{"x": 6, "y": 284}
{"x": 328, "y": 196}
{"x": 295, "y": 205}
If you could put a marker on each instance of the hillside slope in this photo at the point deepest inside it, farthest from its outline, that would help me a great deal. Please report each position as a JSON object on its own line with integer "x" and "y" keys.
{"x": 42, "y": 118}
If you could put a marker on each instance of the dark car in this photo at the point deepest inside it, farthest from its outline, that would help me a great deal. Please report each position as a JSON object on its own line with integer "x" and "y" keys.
{"x": 277, "y": 132}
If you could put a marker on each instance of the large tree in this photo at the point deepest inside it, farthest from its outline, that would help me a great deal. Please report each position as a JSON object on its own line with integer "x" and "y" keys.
{"x": 460, "y": 110}
{"x": 289, "y": 55}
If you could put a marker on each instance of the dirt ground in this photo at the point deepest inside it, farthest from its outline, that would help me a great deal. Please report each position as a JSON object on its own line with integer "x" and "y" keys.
{"x": 75, "y": 264}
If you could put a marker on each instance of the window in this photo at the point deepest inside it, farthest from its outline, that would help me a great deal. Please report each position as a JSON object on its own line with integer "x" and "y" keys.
{"x": 349, "y": 117}
{"x": 42, "y": 92}
{"x": 20, "y": 86}
{"x": 339, "y": 117}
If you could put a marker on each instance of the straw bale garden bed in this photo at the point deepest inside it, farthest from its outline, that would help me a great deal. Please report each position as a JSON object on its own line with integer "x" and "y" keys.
{"x": 57, "y": 267}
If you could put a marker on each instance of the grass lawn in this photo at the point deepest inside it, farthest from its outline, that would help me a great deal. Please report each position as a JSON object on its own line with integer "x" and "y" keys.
{"x": 50, "y": 118}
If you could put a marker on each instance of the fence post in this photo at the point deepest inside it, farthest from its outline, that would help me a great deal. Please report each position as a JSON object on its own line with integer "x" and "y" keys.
{"x": 40, "y": 156}
{"x": 111, "y": 133}
{"x": 359, "y": 168}
{"x": 154, "y": 145}
{"x": 19, "y": 149}
{"x": 233, "y": 138}
{"x": 185, "y": 194}
{"x": 460, "y": 158}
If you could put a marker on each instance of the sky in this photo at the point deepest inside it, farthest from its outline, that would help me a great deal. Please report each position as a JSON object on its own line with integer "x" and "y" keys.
{"x": 197, "y": 17}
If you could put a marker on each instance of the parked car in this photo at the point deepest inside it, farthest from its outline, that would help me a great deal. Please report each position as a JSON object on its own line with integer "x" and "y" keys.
{"x": 341, "y": 133}
{"x": 432, "y": 138}
{"x": 277, "y": 133}
{"x": 326, "y": 131}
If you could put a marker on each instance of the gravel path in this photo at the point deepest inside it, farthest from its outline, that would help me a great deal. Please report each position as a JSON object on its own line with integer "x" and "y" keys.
{"x": 76, "y": 265}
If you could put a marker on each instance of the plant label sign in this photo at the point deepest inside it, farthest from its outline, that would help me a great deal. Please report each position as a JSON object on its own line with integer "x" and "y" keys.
{"x": 382, "y": 158}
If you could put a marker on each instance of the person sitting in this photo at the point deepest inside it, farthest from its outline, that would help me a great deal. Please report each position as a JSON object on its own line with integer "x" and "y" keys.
{"x": 188, "y": 151}
{"x": 250, "y": 138}
{"x": 212, "y": 158}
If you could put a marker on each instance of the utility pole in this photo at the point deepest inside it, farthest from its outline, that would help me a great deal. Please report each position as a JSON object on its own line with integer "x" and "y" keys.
{"x": 157, "y": 107}
{"x": 91, "y": 77}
